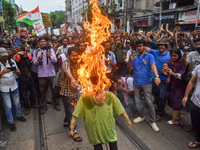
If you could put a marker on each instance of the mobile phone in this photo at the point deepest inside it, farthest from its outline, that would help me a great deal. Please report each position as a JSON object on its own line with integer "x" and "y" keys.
{"x": 12, "y": 68}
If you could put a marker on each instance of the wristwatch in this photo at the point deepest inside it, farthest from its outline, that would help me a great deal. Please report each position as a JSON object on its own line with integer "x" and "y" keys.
{"x": 157, "y": 75}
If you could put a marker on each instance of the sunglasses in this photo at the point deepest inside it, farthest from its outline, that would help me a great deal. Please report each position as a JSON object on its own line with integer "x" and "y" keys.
{"x": 186, "y": 49}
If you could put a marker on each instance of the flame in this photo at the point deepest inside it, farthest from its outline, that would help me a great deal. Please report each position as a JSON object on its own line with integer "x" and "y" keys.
{"x": 92, "y": 72}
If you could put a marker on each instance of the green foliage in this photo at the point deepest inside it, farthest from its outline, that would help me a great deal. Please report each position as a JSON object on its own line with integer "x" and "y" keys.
{"x": 10, "y": 21}
{"x": 57, "y": 18}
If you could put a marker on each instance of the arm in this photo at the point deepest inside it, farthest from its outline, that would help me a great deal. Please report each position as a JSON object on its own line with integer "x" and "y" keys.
{"x": 5, "y": 70}
{"x": 189, "y": 39}
{"x": 188, "y": 89}
{"x": 126, "y": 118}
{"x": 155, "y": 71}
{"x": 159, "y": 33}
{"x": 69, "y": 75}
{"x": 167, "y": 30}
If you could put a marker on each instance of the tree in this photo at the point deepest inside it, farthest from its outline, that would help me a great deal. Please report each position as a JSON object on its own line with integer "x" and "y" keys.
{"x": 57, "y": 18}
{"x": 10, "y": 21}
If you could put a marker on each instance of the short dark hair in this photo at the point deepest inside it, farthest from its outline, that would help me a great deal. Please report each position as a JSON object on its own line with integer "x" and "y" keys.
{"x": 34, "y": 43}
{"x": 79, "y": 43}
{"x": 141, "y": 41}
{"x": 22, "y": 37}
{"x": 71, "y": 49}
{"x": 64, "y": 38}
{"x": 42, "y": 38}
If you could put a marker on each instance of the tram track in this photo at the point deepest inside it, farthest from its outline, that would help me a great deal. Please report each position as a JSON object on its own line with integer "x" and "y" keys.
{"x": 139, "y": 144}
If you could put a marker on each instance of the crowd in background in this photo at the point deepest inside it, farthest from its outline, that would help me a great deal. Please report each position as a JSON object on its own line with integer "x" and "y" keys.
{"x": 155, "y": 66}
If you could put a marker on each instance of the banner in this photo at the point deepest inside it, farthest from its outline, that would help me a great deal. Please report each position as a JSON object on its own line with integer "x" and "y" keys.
{"x": 63, "y": 28}
{"x": 188, "y": 17}
{"x": 46, "y": 20}
{"x": 56, "y": 32}
{"x": 23, "y": 31}
{"x": 39, "y": 28}
{"x": 78, "y": 29}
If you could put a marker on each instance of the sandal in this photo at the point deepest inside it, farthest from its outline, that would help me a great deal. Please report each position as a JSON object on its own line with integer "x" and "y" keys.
{"x": 158, "y": 118}
{"x": 188, "y": 128}
{"x": 172, "y": 123}
{"x": 193, "y": 145}
{"x": 77, "y": 139}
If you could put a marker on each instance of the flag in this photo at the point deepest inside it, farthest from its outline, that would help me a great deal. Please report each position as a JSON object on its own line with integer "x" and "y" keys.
{"x": 30, "y": 17}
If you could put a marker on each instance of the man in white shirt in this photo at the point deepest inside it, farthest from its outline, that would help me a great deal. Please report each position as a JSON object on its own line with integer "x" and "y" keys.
{"x": 9, "y": 88}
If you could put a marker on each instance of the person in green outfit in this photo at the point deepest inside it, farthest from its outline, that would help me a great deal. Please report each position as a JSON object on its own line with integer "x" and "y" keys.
{"x": 98, "y": 110}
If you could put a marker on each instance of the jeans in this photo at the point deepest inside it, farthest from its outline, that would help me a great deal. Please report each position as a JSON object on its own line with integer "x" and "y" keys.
{"x": 195, "y": 116}
{"x": 69, "y": 108}
{"x": 24, "y": 87}
{"x": 11, "y": 99}
{"x": 161, "y": 95}
{"x": 147, "y": 91}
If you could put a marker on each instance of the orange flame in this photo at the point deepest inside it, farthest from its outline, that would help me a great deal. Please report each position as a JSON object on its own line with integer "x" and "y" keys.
{"x": 92, "y": 72}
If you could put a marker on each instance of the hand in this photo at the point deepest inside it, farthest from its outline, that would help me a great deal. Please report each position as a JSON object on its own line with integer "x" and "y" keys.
{"x": 21, "y": 53}
{"x": 186, "y": 34}
{"x": 149, "y": 33}
{"x": 176, "y": 29}
{"x": 48, "y": 54}
{"x": 32, "y": 61}
{"x": 168, "y": 80}
{"x": 6, "y": 70}
{"x": 161, "y": 28}
{"x": 132, "y": 32}
{"x": 184, "y": 100}
{"x": 73, "y": 83}
{"x": 17, "y": 71}
{"x": 167, "y": 27}
{"x": 132, "y": 57}
{"x": 40, "y": 57}
{"x": 169, "y": 71}
{"x": 16, "y": 49}
{"x": 157, "y": 81}
{"x": 59, "y": 52}
{"x": 124, "y": 57}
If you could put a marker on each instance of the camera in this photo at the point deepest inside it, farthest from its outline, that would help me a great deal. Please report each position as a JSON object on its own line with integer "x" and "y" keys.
{"x": 46, "y": 47}
{"x": 12, "y": 68}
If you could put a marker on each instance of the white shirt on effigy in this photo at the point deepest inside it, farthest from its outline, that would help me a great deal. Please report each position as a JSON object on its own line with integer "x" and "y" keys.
{"x": 8, "y": 81}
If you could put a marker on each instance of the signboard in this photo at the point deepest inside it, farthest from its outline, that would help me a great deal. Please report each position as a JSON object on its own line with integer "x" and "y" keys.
{"x": 56, "y": 32}
{"x": 188, "y": 17}
{"x": 39, "y": 28}
{"x": 24, "y": 32}
{"x": 144, "y": 21}
{"x": 46, "y": 20}
{"x": 63, "y": 28}
{"x": 166, "y": 18}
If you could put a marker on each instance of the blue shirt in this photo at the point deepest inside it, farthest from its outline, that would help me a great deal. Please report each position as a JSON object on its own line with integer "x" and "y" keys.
{"x": 142, "y": 69}
{"x": 17, "y": 43}
{"x": 160, "y": 60}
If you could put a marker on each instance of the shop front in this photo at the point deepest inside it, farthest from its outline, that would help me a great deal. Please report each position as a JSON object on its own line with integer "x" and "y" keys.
{"x": 187, "y": 20}
{"x": 142, "y": 23}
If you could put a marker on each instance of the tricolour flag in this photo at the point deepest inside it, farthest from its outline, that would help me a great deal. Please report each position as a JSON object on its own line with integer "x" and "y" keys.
{"x": 30, "y": 17}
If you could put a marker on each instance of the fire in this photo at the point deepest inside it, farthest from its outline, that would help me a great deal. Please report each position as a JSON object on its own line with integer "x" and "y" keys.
{"x": 92, "y": 72}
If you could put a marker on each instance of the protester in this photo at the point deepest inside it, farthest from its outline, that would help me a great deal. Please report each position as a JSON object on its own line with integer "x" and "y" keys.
{"x": 45, "y": 59}
{"x": 9, "y": 88}
{"x": 142, "y": 64}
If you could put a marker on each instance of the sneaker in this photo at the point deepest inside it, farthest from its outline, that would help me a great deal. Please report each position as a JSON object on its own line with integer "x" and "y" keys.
{"x": 154, "y": 126}
{"x": 138, "y": 119}
{"x": 57, "y": 107}
{"x": 12, "y": 127}
{"x": 22, "y": 119}
{"x": 27, "y": 111}
{"x": 43, "y": 110}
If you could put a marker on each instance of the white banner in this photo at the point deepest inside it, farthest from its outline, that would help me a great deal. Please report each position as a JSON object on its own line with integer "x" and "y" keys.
{"x": 39, "y": 28}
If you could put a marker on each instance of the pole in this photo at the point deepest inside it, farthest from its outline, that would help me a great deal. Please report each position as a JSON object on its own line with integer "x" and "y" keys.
{"x": 160, "y": 17}
{"x": 197, "y": 18}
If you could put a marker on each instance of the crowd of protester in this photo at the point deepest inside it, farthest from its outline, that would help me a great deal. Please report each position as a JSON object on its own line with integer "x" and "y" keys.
{"x": 159, "y": 67}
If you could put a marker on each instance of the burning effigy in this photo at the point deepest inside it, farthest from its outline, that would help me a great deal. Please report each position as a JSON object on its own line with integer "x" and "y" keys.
{"x": 96, "y": 105}
{"x": 92, "y": 72}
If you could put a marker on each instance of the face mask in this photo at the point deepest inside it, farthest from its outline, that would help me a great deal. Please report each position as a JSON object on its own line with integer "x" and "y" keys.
{"x": 198, "y": 49}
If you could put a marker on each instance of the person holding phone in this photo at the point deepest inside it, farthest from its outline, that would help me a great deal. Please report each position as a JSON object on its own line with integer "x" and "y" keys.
{"x": 9, "y": 88}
